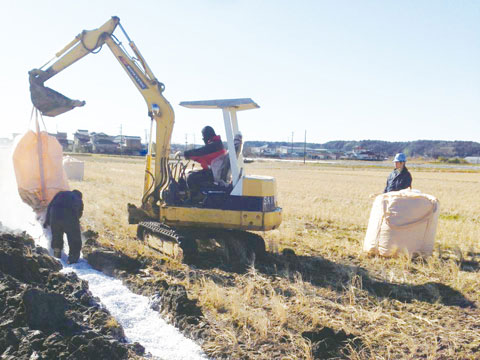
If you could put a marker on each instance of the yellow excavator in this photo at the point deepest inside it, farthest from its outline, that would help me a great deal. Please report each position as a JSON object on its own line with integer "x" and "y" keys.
{"x": 168, "y": 220}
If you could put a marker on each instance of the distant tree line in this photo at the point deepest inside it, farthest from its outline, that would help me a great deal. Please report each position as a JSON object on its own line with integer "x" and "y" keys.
{"x": 427, "y": 148}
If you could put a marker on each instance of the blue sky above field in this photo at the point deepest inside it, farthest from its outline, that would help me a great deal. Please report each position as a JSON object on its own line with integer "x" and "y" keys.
{"x": 351, "y": 70}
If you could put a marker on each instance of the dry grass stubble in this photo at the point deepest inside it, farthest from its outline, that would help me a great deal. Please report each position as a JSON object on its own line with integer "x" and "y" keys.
{"x": 397, "y": 308}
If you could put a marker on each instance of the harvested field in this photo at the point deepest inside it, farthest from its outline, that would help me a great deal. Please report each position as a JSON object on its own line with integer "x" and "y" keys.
{"x": 327, "y": 299}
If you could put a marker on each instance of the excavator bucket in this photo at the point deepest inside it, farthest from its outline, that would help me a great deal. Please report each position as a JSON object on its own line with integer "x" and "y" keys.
{"x": 48, "y": 101}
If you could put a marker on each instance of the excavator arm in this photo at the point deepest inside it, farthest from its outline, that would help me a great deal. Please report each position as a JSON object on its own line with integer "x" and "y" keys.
{"x": 52, "y": 103}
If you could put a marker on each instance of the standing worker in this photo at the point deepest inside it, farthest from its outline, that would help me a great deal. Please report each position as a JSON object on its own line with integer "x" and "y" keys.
{"x": 63, "y": 216}
{"x": 400, "y": 178}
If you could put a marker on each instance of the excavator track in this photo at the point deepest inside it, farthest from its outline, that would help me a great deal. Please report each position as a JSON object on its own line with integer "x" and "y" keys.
{"x": 232, "y": 248}
{"x": 164, "y": 239}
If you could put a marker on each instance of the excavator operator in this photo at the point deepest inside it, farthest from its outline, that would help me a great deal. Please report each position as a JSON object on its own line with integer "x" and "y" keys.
{"x": 205, "y": 155}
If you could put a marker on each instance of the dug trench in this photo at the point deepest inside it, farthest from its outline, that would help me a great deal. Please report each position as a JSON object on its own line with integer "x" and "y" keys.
{"x": 46, "y": 314}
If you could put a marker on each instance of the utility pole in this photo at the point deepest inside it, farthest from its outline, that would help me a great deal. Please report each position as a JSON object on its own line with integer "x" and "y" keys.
{"x": 305, "y": 147}
{"x": 194, "y": 140}
{"x": 121, "y": 139}
{"x": 292, "y": 145}
{"x": 146, "y": 140}
{"x": 186, "y": 141}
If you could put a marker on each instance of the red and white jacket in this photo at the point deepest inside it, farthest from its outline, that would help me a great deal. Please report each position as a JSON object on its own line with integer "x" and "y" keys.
{"x": 206, "y": 154}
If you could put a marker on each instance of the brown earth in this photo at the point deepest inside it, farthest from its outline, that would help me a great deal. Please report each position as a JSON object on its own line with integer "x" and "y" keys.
{"x": 45, "y": 314}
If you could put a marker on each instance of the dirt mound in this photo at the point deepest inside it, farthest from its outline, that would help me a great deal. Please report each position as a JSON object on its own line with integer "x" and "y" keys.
{"x": 171, "y": 300}
{"x": 49, "y": 315}
{"x": 327, "y": 342}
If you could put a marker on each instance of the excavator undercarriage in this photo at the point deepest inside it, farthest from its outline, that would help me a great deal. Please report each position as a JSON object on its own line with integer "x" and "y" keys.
{"x": 234, "y": 248}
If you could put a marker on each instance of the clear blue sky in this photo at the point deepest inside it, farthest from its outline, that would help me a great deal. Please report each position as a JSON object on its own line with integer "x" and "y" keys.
{"x": 351, "y": 70}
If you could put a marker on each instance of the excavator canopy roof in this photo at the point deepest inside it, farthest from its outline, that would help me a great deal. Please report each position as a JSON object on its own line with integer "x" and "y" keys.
{"x": 237, "y": 104}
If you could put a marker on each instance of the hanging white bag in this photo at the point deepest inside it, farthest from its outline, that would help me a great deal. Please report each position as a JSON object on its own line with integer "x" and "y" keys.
{"x": 38, "y": 165}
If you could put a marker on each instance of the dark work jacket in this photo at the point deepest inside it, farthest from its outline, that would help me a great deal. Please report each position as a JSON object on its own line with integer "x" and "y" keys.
{"x": 398, "y": 181}
{"x": 66, "y": 206}
{"x": 205, "y": 154}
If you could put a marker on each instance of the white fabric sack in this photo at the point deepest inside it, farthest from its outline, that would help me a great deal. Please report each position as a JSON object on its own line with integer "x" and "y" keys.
{"x": 74, "y": 168}
{"x": 402, "y": 222}
{"x": 37, "y": 161}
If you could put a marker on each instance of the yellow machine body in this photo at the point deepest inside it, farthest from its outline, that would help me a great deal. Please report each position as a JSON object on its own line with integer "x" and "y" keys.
{"x": 224, "y": 219}
{"x": 251, "y": 186}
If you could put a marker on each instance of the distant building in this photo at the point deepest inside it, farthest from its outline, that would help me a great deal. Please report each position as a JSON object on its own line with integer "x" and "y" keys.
{"x": 362, "y": 154}
{"x": 128, "y": 144}
{"x": 270, "y": 152}
{"x": 473, "y": 159}
{"x": 93, "y": 142}
{"x": 299, "y": 151}
{"x": 81, "y": 141}
{"x": 257, "y": 150}
{"x": 367, "y": 155}
{"x": 62, "y": 139}
{"x": 103, "y": 143}
{"x": 322, "y": 154}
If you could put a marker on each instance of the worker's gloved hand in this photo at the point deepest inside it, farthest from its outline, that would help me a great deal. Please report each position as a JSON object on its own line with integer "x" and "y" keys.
{"x": 178, "y": 154}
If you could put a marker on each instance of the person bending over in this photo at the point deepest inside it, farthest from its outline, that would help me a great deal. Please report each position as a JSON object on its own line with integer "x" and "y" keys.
{"x": 63, "y": 217}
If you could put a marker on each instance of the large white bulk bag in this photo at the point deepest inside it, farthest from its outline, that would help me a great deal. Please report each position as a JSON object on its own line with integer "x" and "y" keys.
{"x": 39, "y": 169}
{"x": 73, "y": 168}
{"x": 402, "y": 222}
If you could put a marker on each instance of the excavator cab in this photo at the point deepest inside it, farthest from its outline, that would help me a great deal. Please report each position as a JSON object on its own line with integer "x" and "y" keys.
{"x": 237, "y": 204}
{"x": 229, "y": 175}
{"x": 228, "y": 169}
{"x": 233, "y": 160}
{"x": 233, "y": 190}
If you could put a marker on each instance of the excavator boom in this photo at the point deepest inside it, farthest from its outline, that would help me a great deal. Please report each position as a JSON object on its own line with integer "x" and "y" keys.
{"x": 52, "y": 103}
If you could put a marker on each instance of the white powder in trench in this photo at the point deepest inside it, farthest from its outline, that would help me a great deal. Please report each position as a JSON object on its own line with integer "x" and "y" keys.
{"x": 133, "y": 312}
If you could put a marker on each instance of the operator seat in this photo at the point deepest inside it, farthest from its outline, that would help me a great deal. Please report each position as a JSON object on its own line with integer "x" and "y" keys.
{"x": 221, "y": 173}
{"x": 217, "y": 196}
{"x": 221, "y": 168}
